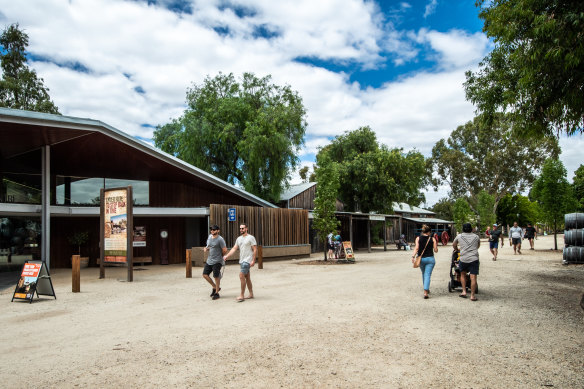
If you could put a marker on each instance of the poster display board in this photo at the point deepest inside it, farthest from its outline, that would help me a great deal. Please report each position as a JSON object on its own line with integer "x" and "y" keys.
{"x": 117, "y": 228}
{"x": 139, "y": 236}
{"x": 34, "y": 278}
{"x": 348, "y": 251}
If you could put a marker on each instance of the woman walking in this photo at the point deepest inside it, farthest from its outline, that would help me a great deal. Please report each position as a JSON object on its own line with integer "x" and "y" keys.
{"x": 426, "y": 246}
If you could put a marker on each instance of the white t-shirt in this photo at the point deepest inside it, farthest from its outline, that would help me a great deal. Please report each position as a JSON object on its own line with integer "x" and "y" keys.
{"x": 245, "y": 244}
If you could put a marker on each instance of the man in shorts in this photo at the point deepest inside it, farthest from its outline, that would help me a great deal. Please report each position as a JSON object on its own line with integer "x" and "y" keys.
{"x": 515, "y": 236}
{"x": 530, "y": 234}
{"x": 247, "y": 246}
{"x": 468, "y": 243}
{"x": 494, "y": 236}
{"x": 216, "y": 248}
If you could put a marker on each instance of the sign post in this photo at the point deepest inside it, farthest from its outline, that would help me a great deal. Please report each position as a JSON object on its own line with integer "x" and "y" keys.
{"x": 231, "y": 214}
{"x": 348, "y": 251}
{"x": 34, "y": 278}
{"x": 116, "y": 229}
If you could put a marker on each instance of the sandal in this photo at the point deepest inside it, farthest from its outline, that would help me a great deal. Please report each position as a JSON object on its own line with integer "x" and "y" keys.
{"x": 462, "y": 296}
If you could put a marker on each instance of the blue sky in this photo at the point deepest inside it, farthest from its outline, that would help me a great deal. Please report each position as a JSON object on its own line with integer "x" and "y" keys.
{"x": 396, "y": 66}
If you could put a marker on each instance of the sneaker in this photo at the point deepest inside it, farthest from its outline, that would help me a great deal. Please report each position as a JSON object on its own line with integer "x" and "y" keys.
{"x": 216, "y": 296}
{"x": 212, "y": 293}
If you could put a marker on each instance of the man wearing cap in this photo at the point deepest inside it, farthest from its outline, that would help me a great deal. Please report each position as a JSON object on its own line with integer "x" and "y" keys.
{"x": 494, "y": 236}
{"x": 217, "y": 248}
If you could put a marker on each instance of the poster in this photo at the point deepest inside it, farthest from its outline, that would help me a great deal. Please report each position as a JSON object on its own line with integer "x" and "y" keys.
{"x": 27, "y": 282}
{"x": 139, "y": 236}
{"x": 348, "y": 251}
{"x": 115, "y": 225}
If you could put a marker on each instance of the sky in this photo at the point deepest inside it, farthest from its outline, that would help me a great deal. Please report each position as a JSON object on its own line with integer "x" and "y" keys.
{"x": 395, "y": 66}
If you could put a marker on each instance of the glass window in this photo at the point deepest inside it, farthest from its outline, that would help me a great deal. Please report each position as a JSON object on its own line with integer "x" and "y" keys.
{"x": 22, "y": 188}
{"x": 86, "y": 191}
{"x": 140, "y": 189}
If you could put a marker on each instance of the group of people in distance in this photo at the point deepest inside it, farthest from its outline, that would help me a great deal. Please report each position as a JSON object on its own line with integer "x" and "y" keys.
{"x": 468, "y": 244}
{"x": 516, "y": 235}
{"x": 247, "y": 246}
{"x": 334, "y": 245}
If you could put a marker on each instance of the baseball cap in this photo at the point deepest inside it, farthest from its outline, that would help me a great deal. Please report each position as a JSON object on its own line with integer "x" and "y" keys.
{"x": 214, "y": 227}
{"x": 495, "y": 225}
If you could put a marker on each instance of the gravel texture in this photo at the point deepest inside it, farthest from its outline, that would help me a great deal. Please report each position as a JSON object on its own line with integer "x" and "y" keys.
{"x": 348, "y": 326}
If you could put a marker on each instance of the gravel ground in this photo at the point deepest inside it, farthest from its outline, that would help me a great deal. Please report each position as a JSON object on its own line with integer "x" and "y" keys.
{"x": 349, "y": 326}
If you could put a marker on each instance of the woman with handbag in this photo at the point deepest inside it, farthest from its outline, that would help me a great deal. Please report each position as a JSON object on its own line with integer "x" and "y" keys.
{"x": 424, "y": 254}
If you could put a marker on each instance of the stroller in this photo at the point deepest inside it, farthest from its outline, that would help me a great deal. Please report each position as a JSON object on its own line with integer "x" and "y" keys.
{"x": 455, "y": 275}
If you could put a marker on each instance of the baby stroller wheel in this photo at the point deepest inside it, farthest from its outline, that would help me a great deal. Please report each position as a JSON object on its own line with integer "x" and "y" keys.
{"x": 450, "y": 288}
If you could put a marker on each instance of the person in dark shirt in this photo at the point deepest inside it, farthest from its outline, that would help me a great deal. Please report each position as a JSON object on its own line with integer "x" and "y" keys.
{"x": 530, "y": 234}
{"x": 494, "y": 237}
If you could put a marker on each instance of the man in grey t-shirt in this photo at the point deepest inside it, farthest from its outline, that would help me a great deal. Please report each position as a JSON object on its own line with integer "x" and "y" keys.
{"x": 515, "y": 236}
{"x": 216, "y": 248}
{"x": 468, "y": 244}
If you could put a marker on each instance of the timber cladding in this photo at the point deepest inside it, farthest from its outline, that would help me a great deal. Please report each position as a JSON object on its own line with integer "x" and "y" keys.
{"x": 270, "y": 226}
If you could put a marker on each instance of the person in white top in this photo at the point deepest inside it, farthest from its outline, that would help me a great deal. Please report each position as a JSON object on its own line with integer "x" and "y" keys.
{"x": 247, "y": 246}
{"x": 515, "y": 236}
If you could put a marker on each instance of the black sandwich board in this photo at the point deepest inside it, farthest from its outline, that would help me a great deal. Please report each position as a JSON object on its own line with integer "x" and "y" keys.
{"x": 34, "y": 278}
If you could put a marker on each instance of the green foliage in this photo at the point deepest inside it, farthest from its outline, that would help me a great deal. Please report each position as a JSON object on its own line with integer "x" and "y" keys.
{"x": 485, "y": 155}
{"x": 554, "y": 194}
{"x": 246, "y": 132}
{"x": 371, "y": 176}
{"x": 461, "y": 213}
{"x": 327, "y": 179}
{"x": 78, "y": 239}
{"x": 518, "y": 208}
{"x": 578, "y": 187}
{"x": 20, "y": 87}
{"x": 485, "y": 209}
{"x": 536, "y": 70}
{"x": 444, "y": 209}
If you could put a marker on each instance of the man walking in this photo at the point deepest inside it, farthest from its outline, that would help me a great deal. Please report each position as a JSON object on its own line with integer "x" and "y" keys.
{"x": 515, "y": 236}
{"x": 530, "y": 234}
{"x": 247, "y": 246}
{"x": 494, "y": 236}
{"x": 217, "y": 248}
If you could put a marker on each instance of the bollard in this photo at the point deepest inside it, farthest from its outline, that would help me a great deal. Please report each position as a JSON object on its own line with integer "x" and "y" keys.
{"x": 260, "y": 257}
{"x": 189, "y": 264}
{"x": 76, "y": 273}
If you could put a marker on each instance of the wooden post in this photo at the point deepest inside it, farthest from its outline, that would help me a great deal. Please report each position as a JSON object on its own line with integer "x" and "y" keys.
{"x": 260, "y": 257}
{"x": 189, "y": 264}
{"x": 76, "y": 273}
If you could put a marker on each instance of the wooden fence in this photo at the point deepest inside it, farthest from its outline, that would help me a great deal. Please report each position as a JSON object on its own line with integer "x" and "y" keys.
{"x": 270, "y": 226}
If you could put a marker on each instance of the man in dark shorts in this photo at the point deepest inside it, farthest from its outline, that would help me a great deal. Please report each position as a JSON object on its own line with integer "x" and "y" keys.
{"x": 468, "y": 244}
{"x": 494, "y": 236}
{"x": 530, "y": 234}
{"x": 217, "y": 248}
{"x": 515, "y": 236}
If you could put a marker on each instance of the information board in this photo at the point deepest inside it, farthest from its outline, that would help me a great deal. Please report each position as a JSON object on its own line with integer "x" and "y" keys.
{"x": 34, "y": 278}
{"x": 348, "y": 251}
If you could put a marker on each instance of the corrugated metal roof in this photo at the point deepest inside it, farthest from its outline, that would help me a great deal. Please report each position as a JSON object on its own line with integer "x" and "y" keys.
{"x": 403, "y": 207}
{"x": 295, "y": 190}
{"x": 431, "y": 220}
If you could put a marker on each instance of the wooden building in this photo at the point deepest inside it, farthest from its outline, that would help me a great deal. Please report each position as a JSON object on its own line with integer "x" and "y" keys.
{"x": 53, "y": 168}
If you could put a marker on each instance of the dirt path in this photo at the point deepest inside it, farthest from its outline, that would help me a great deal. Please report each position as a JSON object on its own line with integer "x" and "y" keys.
{"x": 357, "y": 325}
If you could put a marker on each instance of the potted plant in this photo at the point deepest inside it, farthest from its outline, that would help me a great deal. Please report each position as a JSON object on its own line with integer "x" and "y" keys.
{"x": 77, "y": 239}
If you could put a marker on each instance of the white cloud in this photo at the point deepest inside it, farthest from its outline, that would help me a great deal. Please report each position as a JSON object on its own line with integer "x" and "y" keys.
{"x": 430, "y": 8}
{"x": 456, "y": 48}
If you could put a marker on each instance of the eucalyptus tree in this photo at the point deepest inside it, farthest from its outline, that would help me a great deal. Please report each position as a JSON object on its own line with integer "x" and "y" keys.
{"x": 487, "y": 155}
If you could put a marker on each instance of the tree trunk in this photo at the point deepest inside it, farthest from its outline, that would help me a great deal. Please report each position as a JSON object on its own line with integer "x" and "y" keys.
{"x": 555, "y": 235}
{"x": 325, "y": 252}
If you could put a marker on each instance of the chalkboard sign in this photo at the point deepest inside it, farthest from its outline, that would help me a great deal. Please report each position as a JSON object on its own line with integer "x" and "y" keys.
{"x": 34, "y": 278}
{"x": 348, "y": 251}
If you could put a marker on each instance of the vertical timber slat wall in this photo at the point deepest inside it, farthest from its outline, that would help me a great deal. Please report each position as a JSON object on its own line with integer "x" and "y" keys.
{"x": 270, "y": 226}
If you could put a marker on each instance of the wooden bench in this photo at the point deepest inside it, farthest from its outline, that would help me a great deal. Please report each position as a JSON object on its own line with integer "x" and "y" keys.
{"x": 142, "y": 260}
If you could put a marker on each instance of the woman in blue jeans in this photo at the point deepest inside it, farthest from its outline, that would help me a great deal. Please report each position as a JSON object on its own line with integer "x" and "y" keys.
{"x": 427, "y": 246}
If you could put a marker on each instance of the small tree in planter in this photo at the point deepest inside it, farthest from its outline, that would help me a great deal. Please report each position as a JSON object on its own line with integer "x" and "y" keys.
{"x": 78, "y": 238}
